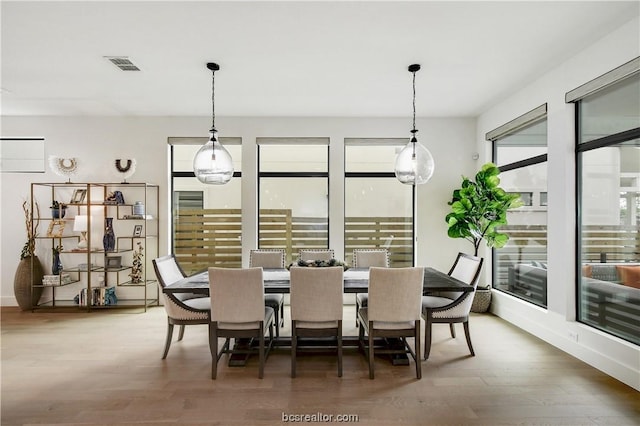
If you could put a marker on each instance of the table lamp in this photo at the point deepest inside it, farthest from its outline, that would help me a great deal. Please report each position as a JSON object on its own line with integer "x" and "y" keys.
{"x": 80, "y": 225}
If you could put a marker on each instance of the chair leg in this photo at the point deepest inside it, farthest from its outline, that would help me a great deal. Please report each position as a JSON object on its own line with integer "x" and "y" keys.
{"x": 181, "y": 333}
{"x": 167, "y": 343}
{"x": 427, "y": 336}
{"x": 281, "y": 316}
{"x": 294, "y": 348}
{"x": 261, "y": 349}
{"x": 468, "y": 335}
{"x": 453, "y": 330}
{"x": 357, "y": 307}
{"x": 371, "y": 360}
{"x": 277, "y": 320}
{"x": 339, "y": 348}
{"x": 417, "y": 359}
{"x": 213, "y": 348}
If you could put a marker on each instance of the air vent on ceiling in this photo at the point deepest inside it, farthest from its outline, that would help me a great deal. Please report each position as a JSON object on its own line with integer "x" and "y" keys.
{"x": 123, "y": 63}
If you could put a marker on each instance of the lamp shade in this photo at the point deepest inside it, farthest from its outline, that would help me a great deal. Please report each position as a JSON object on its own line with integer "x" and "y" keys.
{"x": 414, "y": 164}
{"x": 80, "y": 223}
{"x": 212, "y": 163}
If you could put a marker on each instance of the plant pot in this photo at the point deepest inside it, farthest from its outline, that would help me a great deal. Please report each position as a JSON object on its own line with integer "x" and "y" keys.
{"x": 481, "y": 300}
{"x": 28, "y": 274}
{"x": 58, "y": 213}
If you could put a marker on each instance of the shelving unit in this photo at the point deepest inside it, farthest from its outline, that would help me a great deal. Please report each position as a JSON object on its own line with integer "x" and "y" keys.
{"x": 90, "y": 275}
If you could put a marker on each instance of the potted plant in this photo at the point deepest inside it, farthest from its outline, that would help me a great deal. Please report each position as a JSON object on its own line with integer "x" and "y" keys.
{"x": 29, "y": 272}
{"x": 58, "y": 209}
{"x": 479, "y": 208}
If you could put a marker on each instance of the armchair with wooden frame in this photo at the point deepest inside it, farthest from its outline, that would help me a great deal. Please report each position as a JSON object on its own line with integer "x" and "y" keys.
{"x": 316, "y": 307}
{"x": 395, "y": 296}
{"x": 238, "y": 311}
{"x": 452, "y": 307}
{"x": 272, "y": 259}
{"x": 182, "y": 308}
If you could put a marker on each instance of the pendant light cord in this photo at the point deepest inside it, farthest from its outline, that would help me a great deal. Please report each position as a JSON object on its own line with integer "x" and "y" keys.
{"x": 414, "y": 102}
{"x": 213, "y": 104}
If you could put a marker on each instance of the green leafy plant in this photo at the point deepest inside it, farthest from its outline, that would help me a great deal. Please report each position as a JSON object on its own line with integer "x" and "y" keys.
{"x": 479, "y": 207}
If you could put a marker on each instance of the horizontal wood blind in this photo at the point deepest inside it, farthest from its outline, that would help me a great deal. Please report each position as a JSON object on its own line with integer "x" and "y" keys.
{"x": 393, "y": 233}
{"x": 211, "y": 237}
{"x": 208, "y": 237}
{"x": 613, "y": 243}
{"x": 528, "y": 243}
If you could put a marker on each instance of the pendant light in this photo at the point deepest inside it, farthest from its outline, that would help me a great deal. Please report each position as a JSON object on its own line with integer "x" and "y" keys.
{"x": 212, "y": 163}
{"x": 414, "y": 164}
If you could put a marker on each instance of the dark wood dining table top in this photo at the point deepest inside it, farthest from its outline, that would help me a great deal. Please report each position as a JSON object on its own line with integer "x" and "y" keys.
{"x": 356, "y": 280}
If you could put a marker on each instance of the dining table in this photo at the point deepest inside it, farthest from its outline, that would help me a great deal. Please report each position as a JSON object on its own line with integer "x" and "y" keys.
{"x": 356, "y": 280}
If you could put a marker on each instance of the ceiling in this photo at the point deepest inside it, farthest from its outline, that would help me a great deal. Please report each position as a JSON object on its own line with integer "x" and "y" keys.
{"x": 296, "y": 59}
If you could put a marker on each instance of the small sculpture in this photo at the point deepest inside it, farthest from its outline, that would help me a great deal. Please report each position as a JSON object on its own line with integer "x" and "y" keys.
{"x": 136, "y": 270}
{"x": 63, "y": 166}
{"x": 128, "y": 170}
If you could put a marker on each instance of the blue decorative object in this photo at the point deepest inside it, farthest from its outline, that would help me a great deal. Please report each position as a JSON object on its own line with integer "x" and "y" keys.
{"x": 56, "y": 264}
{"x": 109, "y": 239}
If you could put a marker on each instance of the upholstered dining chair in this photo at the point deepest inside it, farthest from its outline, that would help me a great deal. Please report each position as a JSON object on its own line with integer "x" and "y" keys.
{"x": 316, "y": 254}
{"x": 452, "y": 307}
{"x": 182, "y": 308}
{"x": 393, "y": 312}
{"x": 271, "y": 258}
{"x": 366, "y": 258}
{"x": 316, "y": 307}
{"x": 238, "y": 311}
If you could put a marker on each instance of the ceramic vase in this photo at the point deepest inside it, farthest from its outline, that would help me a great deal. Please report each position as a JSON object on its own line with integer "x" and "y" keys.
{"x": 56, "y": 266}
{"x": 28, "y": 274}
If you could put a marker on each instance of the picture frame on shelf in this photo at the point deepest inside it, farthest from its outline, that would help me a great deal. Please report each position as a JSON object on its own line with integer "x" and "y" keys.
{"x": 56, "y": 228}
{"x": 78, "y": 196}
{"x": 113, "y": 262}
{"x": 137, "y": 231}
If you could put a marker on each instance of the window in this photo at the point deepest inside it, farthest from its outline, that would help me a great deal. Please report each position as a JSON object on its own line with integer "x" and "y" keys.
{"x": 520, "y": 150}
{"x": 370, "y": 223}
{"x": 608, "y": 159}
{"x": 206, "y": 219}
{"x": 293, "y": 193}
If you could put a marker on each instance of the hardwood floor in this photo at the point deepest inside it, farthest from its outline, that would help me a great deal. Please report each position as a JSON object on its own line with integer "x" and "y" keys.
{"x": 104, "y": 368}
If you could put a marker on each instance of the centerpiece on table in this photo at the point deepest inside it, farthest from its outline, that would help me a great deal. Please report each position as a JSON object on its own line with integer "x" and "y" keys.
{"x": 318, "y": 263}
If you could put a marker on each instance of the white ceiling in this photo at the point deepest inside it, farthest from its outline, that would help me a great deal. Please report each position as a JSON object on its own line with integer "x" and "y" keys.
{"x": 328, "y": 59}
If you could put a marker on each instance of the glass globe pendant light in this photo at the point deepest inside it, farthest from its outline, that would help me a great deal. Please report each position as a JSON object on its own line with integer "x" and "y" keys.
{"x": 414, "y": 164}
{"x": 212, "y": 163}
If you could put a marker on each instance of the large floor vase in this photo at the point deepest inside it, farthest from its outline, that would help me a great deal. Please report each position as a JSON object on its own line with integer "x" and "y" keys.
{"x": 26, "y": 276}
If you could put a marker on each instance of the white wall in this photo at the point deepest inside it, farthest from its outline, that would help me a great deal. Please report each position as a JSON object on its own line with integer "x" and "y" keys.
{"x": 98, "y": 141}
{"x": 614, "y": 356}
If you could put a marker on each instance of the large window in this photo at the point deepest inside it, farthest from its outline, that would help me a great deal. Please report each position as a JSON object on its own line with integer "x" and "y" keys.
{"x": 608, "y": 159}
{"x": 378, "y": 208}
{"x": 206, "y": 219}
{"x": 520, "y": 150}
{"x": 293, "y": 194}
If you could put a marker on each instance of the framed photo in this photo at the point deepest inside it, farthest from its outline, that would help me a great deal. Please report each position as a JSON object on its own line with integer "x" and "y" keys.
{"x": 137, "y": 231}
{"x": 113, "y": 262}
{"x": 78, "y": 196}
{"x": 56, "y": 228}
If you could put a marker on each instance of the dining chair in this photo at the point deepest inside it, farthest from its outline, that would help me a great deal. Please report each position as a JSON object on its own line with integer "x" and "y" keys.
{"x": 452, "y": 307}
{"x": 366, "y": 258}
{"x": 238, "y": 311}
{"x": 316, "y": 307}
{"x": 393, "y": 312}
{"x": 315, "y": 254}
{"x": 271, "y": 258}
{"x": 182, "y": 308}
